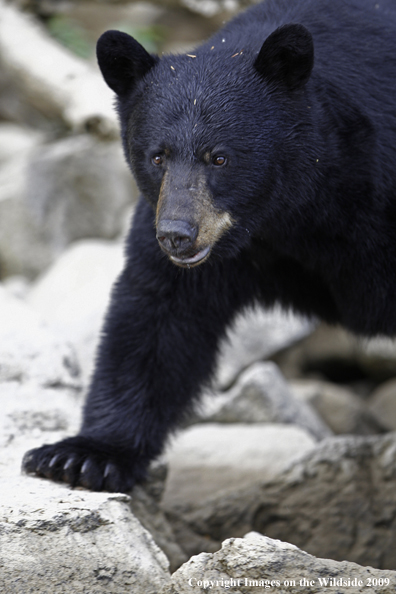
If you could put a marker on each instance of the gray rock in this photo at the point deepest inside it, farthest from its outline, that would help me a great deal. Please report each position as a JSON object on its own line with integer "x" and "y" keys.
{"x": 257, "y": 563}
{"x": 378, "y": 357}
{"x": 73, "y": 295}
{"x": 382, "y": 404}
{"x": 16, "y": 141}
{"x": 64, "y": 191}
{"x": 145, "y": 505}
{"x": 334, "y": 354}
{"x": 17, "y": 286}
{"x": 261, "y": 395}
{"x": 147, "y": 510}
{"x": 337, "y": 502}
{"x": 257, "y": 335}
{"x": 57, "y": 83}
{"x": 54, "y": 539}
{"x": 36, "y": 414}
{"x": 341, "y": 409}
{"x": 22, "y": 251}
{"x": 15, "y": 105}
{"x": 29, "y": 351}
{"x": 31, "y": 416}
{"x": 208, "y": 462}
{"x": 325, "y": 344}
{"x": 79, "y": 187}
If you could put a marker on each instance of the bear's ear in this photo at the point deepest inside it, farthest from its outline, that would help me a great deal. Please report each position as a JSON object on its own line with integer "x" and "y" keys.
{"x": 287, "y": 56}
{"x": 122, "y": 61}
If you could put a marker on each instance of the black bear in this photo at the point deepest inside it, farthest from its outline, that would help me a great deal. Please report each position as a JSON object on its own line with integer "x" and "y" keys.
{"x": 266, "y": 160}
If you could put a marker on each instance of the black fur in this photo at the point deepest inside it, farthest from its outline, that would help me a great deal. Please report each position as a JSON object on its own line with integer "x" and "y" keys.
{"x": 309, "y": 183}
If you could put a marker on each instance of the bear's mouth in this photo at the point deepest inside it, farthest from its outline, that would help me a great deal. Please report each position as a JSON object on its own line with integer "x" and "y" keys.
{"x": 194, "y": 260}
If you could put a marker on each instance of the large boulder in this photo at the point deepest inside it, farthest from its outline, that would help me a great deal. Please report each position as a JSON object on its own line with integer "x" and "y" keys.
{"x": 341, "y": 409}
{"x": 261, "y": 395}
{"x": 210, "y": 462}
{"x": 57, "y": 193}
{"x": 333, "y": 353}
{"x": 211, "y": 459}
{"x": 338, "y": 502}
{"x": 259, "y": 564}
{"x": 382, "y": 404}
{"x": 53, "y": 539}
{"x": 72, "y": 295}
{"x": 29, "y": 350}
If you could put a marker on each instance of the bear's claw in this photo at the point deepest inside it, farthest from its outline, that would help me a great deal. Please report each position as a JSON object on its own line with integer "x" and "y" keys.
{"x": 80, "y": 461}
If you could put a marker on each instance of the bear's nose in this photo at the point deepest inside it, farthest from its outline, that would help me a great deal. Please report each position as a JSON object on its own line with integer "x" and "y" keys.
{"x": 176, "y": 235}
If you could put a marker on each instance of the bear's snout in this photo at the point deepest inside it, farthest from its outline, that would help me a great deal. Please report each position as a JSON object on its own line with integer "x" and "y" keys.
{"x": 176, "y": 237}
{"x": 188, "y": 224}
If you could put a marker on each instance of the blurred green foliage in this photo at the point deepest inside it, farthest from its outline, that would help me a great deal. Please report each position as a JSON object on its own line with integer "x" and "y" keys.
{"x": 151, "y": 38}
{"x": 72, "y": 35}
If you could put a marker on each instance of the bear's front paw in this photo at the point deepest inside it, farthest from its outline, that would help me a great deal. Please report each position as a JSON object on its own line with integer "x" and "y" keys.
{"x": 85, "y": 462}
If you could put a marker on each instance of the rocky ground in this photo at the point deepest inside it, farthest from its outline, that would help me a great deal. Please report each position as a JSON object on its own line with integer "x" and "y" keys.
{"x": 309, "y": 462}
{"x": 284, "y": 478}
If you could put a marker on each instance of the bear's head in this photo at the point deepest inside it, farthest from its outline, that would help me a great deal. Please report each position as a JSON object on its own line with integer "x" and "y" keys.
{"x": 211, "y": 135}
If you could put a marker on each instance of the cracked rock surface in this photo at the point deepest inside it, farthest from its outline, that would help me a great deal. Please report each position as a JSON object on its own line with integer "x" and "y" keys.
{"x": 53, "y": 539}
{"x": 257, "y": 563}
{"x": 338, "y": 501}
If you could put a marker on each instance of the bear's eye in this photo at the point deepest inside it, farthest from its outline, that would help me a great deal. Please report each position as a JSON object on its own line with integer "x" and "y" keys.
{"x": 157, "y": 160}
{"x": 219, "y": 161}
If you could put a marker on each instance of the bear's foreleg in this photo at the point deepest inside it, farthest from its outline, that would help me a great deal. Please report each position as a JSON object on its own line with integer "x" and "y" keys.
{"x": 158, "y": 350}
